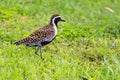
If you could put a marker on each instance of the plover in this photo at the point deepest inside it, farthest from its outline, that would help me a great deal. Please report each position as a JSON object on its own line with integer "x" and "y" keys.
{"x": 43, "y": 35}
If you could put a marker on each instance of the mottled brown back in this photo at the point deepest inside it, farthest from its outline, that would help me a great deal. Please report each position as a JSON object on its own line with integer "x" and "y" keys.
{"x": 46, "y": 33}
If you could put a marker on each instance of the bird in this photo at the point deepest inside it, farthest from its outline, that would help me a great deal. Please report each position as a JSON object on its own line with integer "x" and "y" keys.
{"x": 43, "y": 36}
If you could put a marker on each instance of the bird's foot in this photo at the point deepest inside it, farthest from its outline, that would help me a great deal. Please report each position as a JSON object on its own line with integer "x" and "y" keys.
{"x": 41, "y": 57}
{"x": 36, "y": 53}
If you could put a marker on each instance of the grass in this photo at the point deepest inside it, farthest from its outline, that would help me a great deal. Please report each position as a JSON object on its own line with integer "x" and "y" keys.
{"x": 81, "y": 49}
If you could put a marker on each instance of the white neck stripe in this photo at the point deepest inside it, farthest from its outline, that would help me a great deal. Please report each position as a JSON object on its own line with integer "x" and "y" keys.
{"x": 54, "y": 25}
{"x": 54, "y": 19}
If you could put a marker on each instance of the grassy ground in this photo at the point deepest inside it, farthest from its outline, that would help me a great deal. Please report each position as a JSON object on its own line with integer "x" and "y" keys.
{"x": 81, "y": 49}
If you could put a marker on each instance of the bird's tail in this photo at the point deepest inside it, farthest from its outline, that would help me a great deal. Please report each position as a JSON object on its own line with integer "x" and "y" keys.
{"x": 23, "y": 41}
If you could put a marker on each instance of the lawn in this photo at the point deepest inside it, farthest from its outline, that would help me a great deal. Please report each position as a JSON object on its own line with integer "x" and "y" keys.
{"x": 81, "y": 51}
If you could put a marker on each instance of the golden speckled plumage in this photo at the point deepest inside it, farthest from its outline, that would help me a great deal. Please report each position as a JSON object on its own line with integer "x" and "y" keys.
{"x": 43, "y": 35}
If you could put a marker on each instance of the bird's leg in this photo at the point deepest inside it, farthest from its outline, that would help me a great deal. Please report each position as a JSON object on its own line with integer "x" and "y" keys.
{"x": 37, "y": 50}
{"x": 40, "y": 46}
{"x": 40, "y": 53}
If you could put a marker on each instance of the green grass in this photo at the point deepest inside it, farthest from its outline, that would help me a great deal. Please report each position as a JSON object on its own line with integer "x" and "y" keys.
{"x": 81, "y": 49}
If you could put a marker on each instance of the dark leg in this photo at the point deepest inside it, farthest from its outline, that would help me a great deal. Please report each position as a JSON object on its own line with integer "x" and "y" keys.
{"x": 40, "y": 46}
{"x": 37, "y": 50}
{"x": 40, "y": 53}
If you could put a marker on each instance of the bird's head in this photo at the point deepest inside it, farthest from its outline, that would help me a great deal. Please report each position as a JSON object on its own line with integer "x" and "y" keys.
{"x": 55, "y": 19}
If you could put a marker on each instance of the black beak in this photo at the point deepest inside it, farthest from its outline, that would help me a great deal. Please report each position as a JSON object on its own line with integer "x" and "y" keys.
{"x": 62, "y": 20}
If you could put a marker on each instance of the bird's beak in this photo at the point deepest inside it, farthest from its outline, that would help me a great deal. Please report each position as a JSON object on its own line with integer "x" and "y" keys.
{"x": 62, "y": 20}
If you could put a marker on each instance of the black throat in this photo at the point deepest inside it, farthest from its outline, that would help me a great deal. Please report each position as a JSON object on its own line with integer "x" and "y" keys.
{"x": 55, "y": 22}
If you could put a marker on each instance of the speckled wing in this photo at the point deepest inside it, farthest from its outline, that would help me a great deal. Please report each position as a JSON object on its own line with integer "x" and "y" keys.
{"x": 41, "y": 35}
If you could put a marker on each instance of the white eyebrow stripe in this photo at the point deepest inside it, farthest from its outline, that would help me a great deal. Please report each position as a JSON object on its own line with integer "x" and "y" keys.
{"x": 55, "y": 27}
{"x": 56, "y": 17}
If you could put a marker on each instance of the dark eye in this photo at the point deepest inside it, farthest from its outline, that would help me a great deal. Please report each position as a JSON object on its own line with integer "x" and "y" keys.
{"x": 57, "y": 19}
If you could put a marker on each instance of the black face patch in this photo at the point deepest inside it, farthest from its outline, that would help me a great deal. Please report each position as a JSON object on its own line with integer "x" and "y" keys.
{"x": 57, "y": 20}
